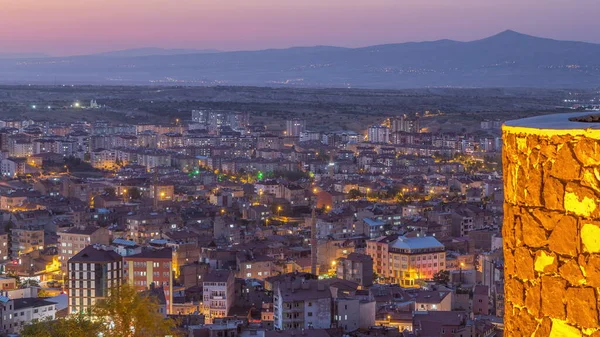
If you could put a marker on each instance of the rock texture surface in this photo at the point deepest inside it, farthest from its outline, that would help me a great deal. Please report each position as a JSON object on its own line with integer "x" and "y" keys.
{"x": 551, "y": 231}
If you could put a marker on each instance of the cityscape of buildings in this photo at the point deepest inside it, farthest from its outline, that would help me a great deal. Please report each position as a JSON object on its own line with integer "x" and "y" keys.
{"x": 240, "y": 230}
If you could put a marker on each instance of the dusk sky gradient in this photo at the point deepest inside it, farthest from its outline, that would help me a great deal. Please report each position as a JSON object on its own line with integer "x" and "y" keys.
{"x": 68, "y": 27}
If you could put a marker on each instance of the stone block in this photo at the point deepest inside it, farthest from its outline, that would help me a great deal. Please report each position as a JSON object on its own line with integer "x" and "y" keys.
{"x": 565, "y": 166}
{"x": 571, "y": 272}
{"x": 581, "y": 307}
{"x": 533, "y": 301}
{"x": 515, "y": 292}
{"x": 563, "y": 239}
{"x": 553, "y": 193}
{"x": 553, "y": 293}
{"x": 524, "y": 264}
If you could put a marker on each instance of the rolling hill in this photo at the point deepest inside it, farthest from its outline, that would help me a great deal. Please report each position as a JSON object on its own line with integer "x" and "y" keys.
{"x": 508, "y": 59}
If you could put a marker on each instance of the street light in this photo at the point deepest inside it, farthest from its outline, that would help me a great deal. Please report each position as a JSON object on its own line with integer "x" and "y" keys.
{"x": 278, "y": 210}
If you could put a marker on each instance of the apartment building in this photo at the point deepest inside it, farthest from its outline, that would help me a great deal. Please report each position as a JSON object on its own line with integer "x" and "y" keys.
{"x": 26, "y": 240}
{"x": 74, "y": 239}
{"x": 18, "y": 312}
{"x": 218, "y": 294}
{"x": 151, "y": 267}
{"x": 404, "y": 260}
{"x": 356, "y": 268}
{"x": 302, "y": 305}
{"x": 92, "y": 273}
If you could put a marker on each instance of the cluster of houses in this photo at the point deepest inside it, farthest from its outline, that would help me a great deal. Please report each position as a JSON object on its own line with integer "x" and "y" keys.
{"x": 240, "y": 230}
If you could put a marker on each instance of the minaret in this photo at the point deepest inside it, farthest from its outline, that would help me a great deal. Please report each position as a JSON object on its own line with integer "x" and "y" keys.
{"x": 155, "y": 187}
{"x": 313, "y": 243}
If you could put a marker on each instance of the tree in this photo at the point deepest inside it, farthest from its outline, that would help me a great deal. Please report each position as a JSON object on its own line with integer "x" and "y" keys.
{"x": 124, "y": 313}
{"x": 44, "y": 293}
{"x": 442, "y": 277}
{"x": 72, "y": 326}
{"x": 354, "y": 194}
{"x": 130, "y": 314}
{"x": 111, "y": 191}
{"x": 134, "y": 193}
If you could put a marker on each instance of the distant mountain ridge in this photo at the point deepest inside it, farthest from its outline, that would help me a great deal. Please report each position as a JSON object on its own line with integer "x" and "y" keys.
{"x": 152, "y": 51}
{"x": 22, "y": 55}
{"x": 507, "y": 59}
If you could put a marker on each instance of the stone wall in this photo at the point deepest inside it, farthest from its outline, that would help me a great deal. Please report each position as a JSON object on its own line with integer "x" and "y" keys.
{"x": 551, "y": 231}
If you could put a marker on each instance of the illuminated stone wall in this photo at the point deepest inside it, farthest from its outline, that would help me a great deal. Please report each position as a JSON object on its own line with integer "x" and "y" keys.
{"x": 551, "y": 227}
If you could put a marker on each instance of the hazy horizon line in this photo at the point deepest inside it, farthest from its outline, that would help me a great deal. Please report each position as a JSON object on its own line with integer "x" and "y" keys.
{"x": 233, "y": 50}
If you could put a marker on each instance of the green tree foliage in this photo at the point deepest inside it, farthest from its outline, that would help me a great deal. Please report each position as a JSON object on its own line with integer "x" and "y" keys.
{"x": 134, "y": 193}
{"x": 72, "y": 326}
{"x": 290, "y": 175}
{"x": 124, "y": 313}
{"x": 354, "y": 194}
{"x": 110, "y": 191}
{"x": 130, "y": 314}
{"x": 441, "y": 277}
{"x": 77, "y": 165}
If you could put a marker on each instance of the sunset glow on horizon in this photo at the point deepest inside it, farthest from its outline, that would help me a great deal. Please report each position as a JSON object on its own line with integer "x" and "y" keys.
{"x": 66, "y": 27}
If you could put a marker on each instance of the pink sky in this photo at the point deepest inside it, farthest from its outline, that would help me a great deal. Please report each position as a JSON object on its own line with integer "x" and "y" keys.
{"x": 66, "y": 27}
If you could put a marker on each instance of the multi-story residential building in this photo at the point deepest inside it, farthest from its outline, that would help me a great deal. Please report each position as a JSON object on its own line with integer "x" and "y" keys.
{"x": 378, "y": 134}
{"x": 12, "y": 167}
{"x": 294, "y": 127}
{"x": 151, "y": 267}
{"x": 250, "y": 265}
{"x": 481, "y": 300}
{"x": 11, "y": 201}
{"x": 18, "y": 312}
{"x": 269, "y": 142}
{"x": 144, "y": 227}
{"x": 433, "y": 301}
{"x": 20, "y": 148}
{"x": 164, "y": 191}
{"x": 74, "y": 239}
{"x": 404, "y": 260}
{"x": 295, "y": 194}
{"x": 307, "y": 136}
{"x": 124, "y": 140}
{"x": 405, "y": 124}
{"x": 200, "y": 116}
{"x": 352, "y": 313}
{"x": 25, "y": 240}
{"x": 218, "y": 294}
{"x": 92, "y": 273}
{"x": 357, "y": 268}
{"x": 103, "y": 159}
{"x": 4, "y": 245}
{"x": 152, "y": 159}
{"x": 302, "y": 305}
{"x": 462, "y": 223}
